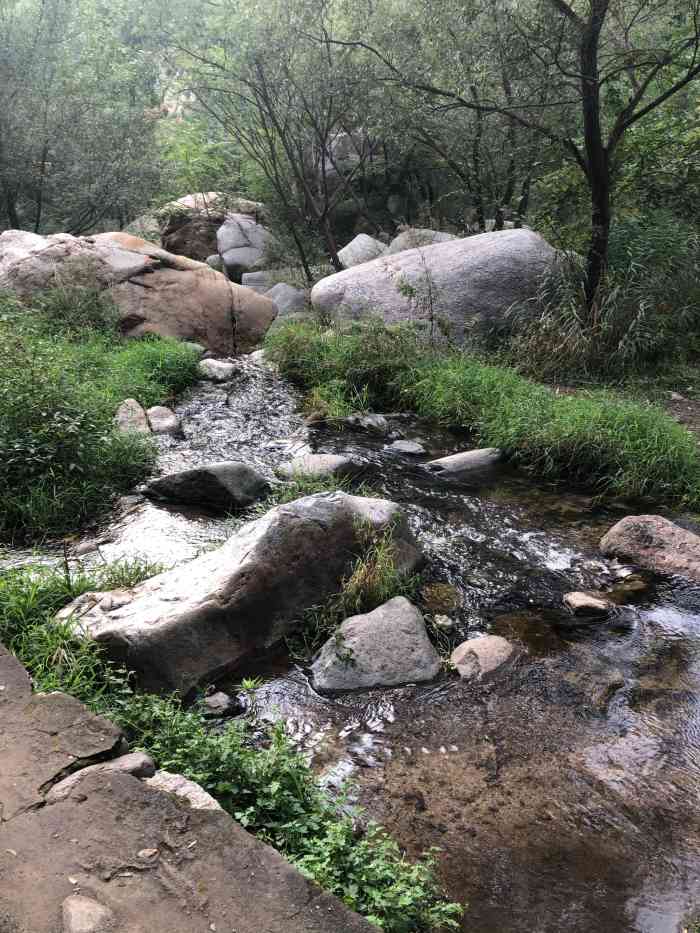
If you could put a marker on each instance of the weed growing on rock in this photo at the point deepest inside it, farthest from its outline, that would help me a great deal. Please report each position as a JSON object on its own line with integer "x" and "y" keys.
{"x": 269, "y": 788}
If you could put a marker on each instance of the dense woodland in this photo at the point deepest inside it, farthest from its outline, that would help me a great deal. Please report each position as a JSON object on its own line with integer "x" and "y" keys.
{"x": 579, "y": 119}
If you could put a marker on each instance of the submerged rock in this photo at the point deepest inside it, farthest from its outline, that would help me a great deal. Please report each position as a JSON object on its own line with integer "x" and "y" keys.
{"x": 466, "y": 462}
{"x": 655, "y": 543}
{"x": 221, "y": 486}
{"x": 131, "y": 416}
{"x": 476, "y": 658}
{"x": 383, "y": 648}
{"x": 588, "y": 604}
{"x": 367, "y": 421}
{"x": 86, "y": 915}
{"x": 410, "y": 448}
{"x": 205, "y": 617}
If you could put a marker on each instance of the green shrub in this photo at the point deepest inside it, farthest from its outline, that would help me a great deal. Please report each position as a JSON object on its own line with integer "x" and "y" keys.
{"x": 61, "y": 460}
{"x": 270, "y": 789}
{"x": 610, "y": 444}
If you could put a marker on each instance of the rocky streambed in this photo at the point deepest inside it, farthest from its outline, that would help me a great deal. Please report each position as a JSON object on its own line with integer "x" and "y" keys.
{"x": 563, "y": 791}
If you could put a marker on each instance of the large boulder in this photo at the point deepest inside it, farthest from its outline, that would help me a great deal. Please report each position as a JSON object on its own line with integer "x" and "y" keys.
{"x": 415, "y": 237}
{"x": 155, "y": 291}
{"x": 206, "y": 617}
{"x": 362, "y": 249}
{"x": 188, "y": 225}
{"x": 477, "y": 278}
{"x": 287, "y": 299}
{"x": 655, "y": 543}
{"x": 241, "y": 243}
{"x": 383, "y": 648}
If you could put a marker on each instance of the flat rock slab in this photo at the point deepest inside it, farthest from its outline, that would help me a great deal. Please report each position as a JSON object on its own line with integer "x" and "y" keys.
{"x": 588, "y": 604}
{"x": 43, "y": 738}
{"x": 152, "y": 863}
{"x": 383, "y": 648}
{"x": 655, "y": 543}
{"x": 204, "y": 618}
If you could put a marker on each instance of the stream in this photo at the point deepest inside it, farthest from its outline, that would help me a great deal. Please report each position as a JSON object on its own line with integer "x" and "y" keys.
{"x": 563, "y": 793}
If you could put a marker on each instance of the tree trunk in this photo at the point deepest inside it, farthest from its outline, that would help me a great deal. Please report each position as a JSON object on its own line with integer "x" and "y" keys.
{"x": 331, "y": 245}
{"x": 597, "y": 164}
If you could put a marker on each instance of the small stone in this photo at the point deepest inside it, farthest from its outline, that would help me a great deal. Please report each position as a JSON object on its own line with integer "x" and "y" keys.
{"x": 476, "y": 658}
{"x": 677, "y": 397}
{"x": 410, "y": 448}
{"x": 588, "y": 604}
{"x": 180, "y": 786}
{"x": 131, "y": 418}
{"x": 367, "y": 421}
{"x": 221, "y": 704}
{"x": 148, "y": 853}
{"x": 318, "y": 465}
{"x": 217, "y": 370}
{"x": 467, "y": 462}
{"x": 86, "y": 915}
{"x": 444, "y": 622}
{"x": 163, "y": 420}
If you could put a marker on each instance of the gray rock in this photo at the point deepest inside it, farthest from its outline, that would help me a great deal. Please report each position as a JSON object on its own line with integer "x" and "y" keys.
{"x": 476, "y": 658}
{"x": 411, "y": 448}
{"x": 195, "y": 347}
{"x": 383, "y": 648}
{"x": 163, "y": 420}
{"x": 588, "y": 604}
{"x": 260, "y": 281}
{"x": 221, "y": 704}
{"x": 85, "y": 915}
{"x": 473, "y": 279}
{"x": 206, "y": 617}
{"x": 131, "y": 417}
{"x": 242, "y": 243}
{"x": 362, "y": 249}
{"x": 655, "y": 543}
{"x": 367, "y": 421}
{"x": 223, "y": 486}
{"x": 320, "y": 465}
{"x": 137, "y": 763}
{"x": 287, "y": 299}
{"x": 180, "y": 786}
{"x": 466, "y": 462}
{"x": 416, "y": 237}
{"x": 215, "y": 262}
{"x": 217, "y": 370}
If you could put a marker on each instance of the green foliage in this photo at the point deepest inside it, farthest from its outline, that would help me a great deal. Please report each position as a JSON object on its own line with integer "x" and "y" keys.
{"x": 610, "y": 444}
{"x": 647, "y": 314}
{"x": 269, "y": 789}
{"x": 60, "y": 458}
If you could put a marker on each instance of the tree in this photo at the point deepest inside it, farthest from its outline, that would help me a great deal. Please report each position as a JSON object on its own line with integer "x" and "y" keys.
{"x": 77, "y": 115}
{"x": 579, "y": 74}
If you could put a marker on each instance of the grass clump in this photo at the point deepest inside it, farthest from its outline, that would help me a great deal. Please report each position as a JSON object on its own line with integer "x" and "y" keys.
{"x": 65, "y": 371}
{"x": 375, "y": 578}
{"x": 269, "y": 788}
{"x": 610, "y": 444}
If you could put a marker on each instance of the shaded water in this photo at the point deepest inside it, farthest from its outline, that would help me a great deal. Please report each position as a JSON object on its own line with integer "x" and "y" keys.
{"x": 564, "y": 794}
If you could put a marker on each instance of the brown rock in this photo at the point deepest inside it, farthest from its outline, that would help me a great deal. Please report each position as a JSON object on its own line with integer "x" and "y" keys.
{"x": 655, "y": 543}
{"x": 588, "y": 604}
{"x": 130, "y": 416}
{"x": 476, "y": 658}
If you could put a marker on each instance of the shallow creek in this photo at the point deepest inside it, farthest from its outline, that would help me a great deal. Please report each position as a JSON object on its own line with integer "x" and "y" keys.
{"x": 563, "y": 794}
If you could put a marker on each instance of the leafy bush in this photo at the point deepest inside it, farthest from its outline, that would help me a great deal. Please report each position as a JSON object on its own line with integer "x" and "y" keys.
{"x": 610, "y": 444}
{"x": 60, "y": 458}
{"x": 269, "y": 789}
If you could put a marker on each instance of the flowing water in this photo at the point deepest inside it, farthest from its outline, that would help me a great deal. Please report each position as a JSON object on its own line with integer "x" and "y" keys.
{"x": 564, "y": 793}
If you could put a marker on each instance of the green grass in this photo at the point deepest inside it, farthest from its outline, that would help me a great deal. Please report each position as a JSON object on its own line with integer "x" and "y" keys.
{"x": 612, "y": 445}
{"x": 269, "y": 788}
{"x": 65, "y": 371}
